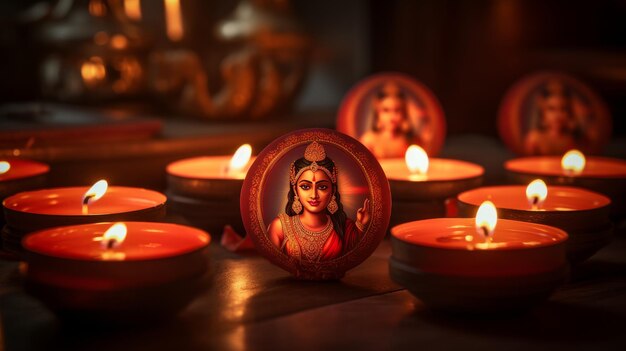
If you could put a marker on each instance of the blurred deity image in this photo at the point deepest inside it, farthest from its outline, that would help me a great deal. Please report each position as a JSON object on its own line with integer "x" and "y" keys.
{"x": 314, "y": 226}
{"x": 559, "y": 123}
{"x": 552, "y": 115}
{"x": 389, "y": 112}
{"x": 391, "y": 132}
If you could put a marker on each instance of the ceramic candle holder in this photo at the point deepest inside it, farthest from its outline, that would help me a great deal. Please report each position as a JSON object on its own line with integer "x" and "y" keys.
{"x": 22, "y": 175}
{"x": 603, "y": 175}
{"x": 447, "y": 266}
{"x": 201, "y": 190}
{"x": 154, "y": 272}
{"x": 583, "y": 214}
{"x": 41, "y": 209}
{"x": 424, "y": 196}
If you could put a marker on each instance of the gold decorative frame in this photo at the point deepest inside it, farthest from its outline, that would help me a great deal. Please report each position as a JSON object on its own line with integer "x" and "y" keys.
{"x": 379, "y": 195}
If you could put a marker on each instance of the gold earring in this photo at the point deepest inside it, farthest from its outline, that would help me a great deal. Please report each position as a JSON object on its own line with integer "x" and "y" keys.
{"x": 296, "y": 206}
{"x": 332, "y": 205}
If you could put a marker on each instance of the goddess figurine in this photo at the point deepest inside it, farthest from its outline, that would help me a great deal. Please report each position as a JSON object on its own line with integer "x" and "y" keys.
{"x": 391, "y": 132}
{"x": 556, "y": 130}
{"x": 314, "y": 226}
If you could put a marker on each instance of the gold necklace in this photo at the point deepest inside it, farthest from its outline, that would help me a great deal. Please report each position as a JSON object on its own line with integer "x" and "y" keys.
{"x": 312, "y": 242}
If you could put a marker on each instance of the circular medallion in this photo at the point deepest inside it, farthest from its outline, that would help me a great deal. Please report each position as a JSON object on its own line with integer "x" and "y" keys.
{"x": 316, "y": 203}
{"x": 388, "y": 112}
{"x": 549, "y": 113}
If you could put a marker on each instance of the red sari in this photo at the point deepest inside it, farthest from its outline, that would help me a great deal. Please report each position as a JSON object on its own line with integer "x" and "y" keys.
{"x": 295, "y": 245}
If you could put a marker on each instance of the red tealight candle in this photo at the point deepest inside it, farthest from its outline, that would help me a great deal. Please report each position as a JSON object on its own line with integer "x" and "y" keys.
{"x": 118, "y": 269}
{"x": 40, "y": 209}
{"x": 19, "y": 174}
{"x": 474, "y": 265}
{"x": 209, "y": 184}
{"x": 420, "y": 186}
{"x": 583, "y": 214}
{"x": 600, "y": 174}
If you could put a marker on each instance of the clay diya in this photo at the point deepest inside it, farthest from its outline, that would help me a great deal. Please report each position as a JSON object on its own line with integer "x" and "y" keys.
{"x": 122, "y": 271}
{"x": 17, "y": 175}
{"x": 470, "y": 265}
{"x": 421, "y": 186}
{"x": 199, "y": 186}
{"x": 30, "y": 211}
{"x": 583, "y": 214}
{"x": 600, "y": 174}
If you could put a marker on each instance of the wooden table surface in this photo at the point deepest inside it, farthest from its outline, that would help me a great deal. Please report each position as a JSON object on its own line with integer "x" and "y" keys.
{"x": 253, "y": 305}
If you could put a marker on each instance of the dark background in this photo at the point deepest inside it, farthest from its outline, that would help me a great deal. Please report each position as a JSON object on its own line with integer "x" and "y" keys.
{"x": 468, "y": 52}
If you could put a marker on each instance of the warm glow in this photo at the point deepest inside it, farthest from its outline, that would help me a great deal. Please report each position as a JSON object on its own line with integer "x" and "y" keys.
{"x": 173, "y": 20}
{"x": 119, "y": 42}
{"x": 101, "y": 38}
{"x": 416, "y": 160}
{"x": 240, "y": 159}
{"x": 573, "y": 162}
{"x": 114, "y": 236}
{"x": 536, "y": 193}
{"x": 93, "y": 70}
{"x": 97, "y": 8}
{"x": 486, "y": 219}
{"x": 95, "y": 192}
{"x": 4, "y": 167}
{"x": 132, "y": 8}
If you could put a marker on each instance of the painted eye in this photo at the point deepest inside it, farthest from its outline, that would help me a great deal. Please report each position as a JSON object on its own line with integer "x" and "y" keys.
{"x": 323, "y": 187}
{"x": 305, "y": 186}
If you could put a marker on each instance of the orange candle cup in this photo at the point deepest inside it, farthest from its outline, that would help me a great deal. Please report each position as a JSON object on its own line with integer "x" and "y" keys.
{"x": 41, "y": 209}
{"x": 448, "y": 265}
{"x": 420, "y": 186}
{"x": 154, "y": 270}
{"x": 600, "y": 174}
{"x": 209, "y": 184}
{"x": 583, "y": 214}
{"x": 17, "y": 175}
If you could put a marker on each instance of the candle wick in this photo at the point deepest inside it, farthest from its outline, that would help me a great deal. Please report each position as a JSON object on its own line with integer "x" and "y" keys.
{"x": 485, "y": 231}
{"x": 86, "y": 203}
{"x": 87, "y": 198}
{"x": 110, "y": 243}
{"x": 535, "y": 203}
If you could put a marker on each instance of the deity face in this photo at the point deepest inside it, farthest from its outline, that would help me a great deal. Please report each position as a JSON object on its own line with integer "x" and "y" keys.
{"x": 315, "y": 190}
{"x": 556, "y": 113}
{"x": 390, "y": 113}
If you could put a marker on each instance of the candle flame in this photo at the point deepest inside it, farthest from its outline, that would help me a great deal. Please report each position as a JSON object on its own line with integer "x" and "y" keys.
{"x": 416, "y": 160}
{"x": 114, "y": 236}
{"x": 4, "y": 167}
{"x": 486, "y": 219}
{"x": 573, "y": 162}
{"x": 95, "y": 192}
{"x": 536, "y": 193}
{"x": 240, "y": 159}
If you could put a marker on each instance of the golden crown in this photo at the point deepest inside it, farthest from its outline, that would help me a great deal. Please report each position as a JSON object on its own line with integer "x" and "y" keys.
{"x": 314, "y": 152}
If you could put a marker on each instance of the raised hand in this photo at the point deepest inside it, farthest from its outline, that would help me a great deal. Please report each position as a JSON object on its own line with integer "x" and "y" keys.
{"x": 363, "y": 214}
